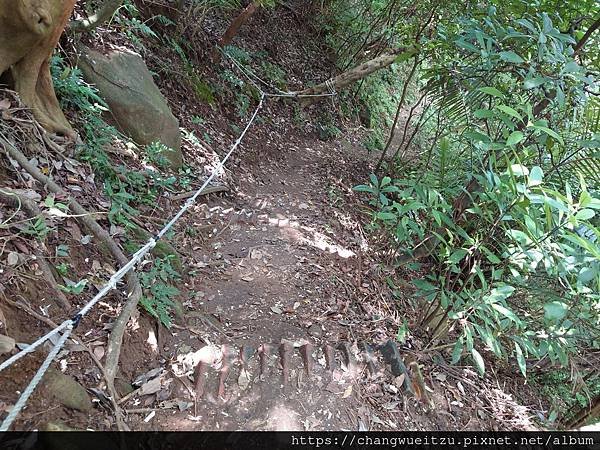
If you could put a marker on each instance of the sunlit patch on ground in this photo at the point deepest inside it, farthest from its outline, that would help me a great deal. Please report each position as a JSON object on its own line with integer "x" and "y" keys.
{"x": 282, "y": 418}
{"x": 308, "y": 235}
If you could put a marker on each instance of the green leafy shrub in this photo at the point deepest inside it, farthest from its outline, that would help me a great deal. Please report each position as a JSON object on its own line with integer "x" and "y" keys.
{"x": 159, "y": 294}
{"x": 500, "y": 207}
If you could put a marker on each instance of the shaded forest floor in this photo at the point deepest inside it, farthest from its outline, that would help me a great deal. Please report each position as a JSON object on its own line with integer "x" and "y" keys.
{"x": 282, "y": 257}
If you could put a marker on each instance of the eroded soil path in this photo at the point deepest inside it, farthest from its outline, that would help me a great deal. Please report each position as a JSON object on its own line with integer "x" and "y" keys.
{"x": 278, "y": 266}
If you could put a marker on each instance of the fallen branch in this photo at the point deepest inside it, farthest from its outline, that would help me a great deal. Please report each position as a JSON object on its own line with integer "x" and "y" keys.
{"x": 206, "y": 191}
{"x": 133, "y": 286}
{"x": 350, "y": 76}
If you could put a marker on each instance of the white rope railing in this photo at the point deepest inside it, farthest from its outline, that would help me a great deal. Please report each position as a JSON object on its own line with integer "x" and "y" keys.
{"x": 69, "y": 325}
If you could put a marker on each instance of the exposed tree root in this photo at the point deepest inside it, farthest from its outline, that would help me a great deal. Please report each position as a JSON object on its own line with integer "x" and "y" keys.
{"x": 133, "y": 286}
{"x": 13, "y": 197}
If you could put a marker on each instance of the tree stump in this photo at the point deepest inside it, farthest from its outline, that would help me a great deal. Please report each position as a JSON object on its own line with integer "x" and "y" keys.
{"x": 29, "y": 31}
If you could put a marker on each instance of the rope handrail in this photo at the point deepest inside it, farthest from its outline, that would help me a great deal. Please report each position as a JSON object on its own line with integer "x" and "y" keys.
{"x": 70, "y": 324}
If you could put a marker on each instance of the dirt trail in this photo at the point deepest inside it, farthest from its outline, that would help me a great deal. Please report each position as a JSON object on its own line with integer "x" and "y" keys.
{"x": 277, "y": 274}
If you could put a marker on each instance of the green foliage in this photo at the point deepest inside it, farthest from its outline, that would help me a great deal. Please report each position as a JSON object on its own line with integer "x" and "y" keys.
{"x": 159, "y": 294}
{"x": 361, "y": 30}
{"x": 557, "y": 386}
{"x": 255, "y": 66}
{"x": 155, "y": 153}
{"x": 517, "y": 269}
{"x": 37, "y": 228}
{"x": 203, "y": 90}
{"x": 123, "y": 187}
{"x": 72, "y": 287}
{"x": 374, "y": 142}
{"x": 326, "y": 128}
{"x": 128, "y": 19}
{"x": 63, "y": 269}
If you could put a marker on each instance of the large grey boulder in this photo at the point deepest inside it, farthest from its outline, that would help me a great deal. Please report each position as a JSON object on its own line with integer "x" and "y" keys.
{"x": 137, "y": 107}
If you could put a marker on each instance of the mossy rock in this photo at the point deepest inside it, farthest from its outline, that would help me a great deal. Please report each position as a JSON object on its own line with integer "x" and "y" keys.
{"x": 67, "y": 391}
{"x": 136, "y": 104}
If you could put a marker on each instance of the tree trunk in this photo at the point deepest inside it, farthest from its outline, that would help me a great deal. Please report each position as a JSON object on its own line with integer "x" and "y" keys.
{"x": 234, "y": 28}
{"x": 351, "y": 76}
{"x": 397, "y": 116}
{"x": 29, "y": 31}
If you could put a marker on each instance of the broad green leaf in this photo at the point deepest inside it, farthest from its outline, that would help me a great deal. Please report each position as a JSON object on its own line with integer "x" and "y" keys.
{"x": 424, "y": 285}
{"x": 519, "y": 236}
{"x": 499, "y": 293}
{"x": 549, "y": 132}
{"x": 521, "y": 359}
{"x": 527, "y": 24}
{"x": 405, "y": 56}
{"x": 457, "y": 255}
{"x": 386, "y": 216}
{"x": 484, "y": 114}
{"x": 555, "y": 310}
{"x": 586, "y": 275}
{"x": 476, "y": 136}
{"x": 514, "y": 138}
{"x": 506, "y": 312}
{"x": 457, "y": 351}
{"x": 534, "y": 82}
{"x": 585, "y": 214}
{"x": 519, "y": 170}
{"x": 511, "y": 57}
{"x": 492, "y": 91}
{"x": 469, "y": 337}
{"x": 535, "y": 176}
{"x": 466, "y": 45}
{"x": 479, "y": 363}
{"x": 510, "y": 111}
{"x": 402, "y": 333}
{"x": 490, "y": 256}
{"x": 585, "y": 199}
{"x": 363, "y": 188}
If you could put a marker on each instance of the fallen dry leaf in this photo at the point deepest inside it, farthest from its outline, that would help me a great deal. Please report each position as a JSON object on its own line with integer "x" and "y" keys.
{"x": 244, "y": 379}
{"x": 377, "y": 420}
{"x": 151, "y": 387}
{"x": 347, "y": 392}
{"x": 440, "y": 376}
{"x": 399, "y": 380}
{"x": 99, "y": 352}
{"x": 12, "y": 259}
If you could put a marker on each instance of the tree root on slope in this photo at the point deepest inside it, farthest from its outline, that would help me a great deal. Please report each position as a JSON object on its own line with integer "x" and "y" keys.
{"x": 13, "y": 197}
{"x": 133, "y": 286}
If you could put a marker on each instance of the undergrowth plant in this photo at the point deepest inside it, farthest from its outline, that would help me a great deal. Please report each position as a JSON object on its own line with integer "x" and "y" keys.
{"x": 159, "y": 292}
{"x": 126, "y": 189}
